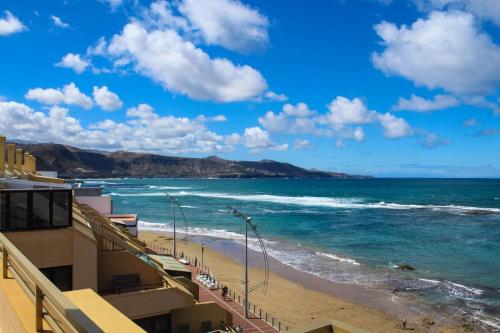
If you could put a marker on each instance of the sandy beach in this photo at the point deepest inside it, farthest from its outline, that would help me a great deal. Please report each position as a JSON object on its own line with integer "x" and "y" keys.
{"x": 296, "y": 297}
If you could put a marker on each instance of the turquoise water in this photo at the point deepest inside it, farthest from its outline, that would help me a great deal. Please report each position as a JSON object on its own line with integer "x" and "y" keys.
{"x": 352, "y": 231}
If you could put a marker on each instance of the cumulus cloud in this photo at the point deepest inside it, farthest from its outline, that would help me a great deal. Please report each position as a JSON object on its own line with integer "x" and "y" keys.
{"x": 272, "y": 96}
{"x": 58, "y": 22}
{"x": 341, "y": 121}
{"x": 228, "y": 23}
{"x": 483, "y": 9}
{"x": 143, "y": 130}
{"x": 445, "y": 50}
{"x": 257, "y": 140}
{"x": 113, "y": 4}
{"x": 419, "y": 104}
{"x": 432, "y": 140}
{"x": 302, "y": 144}
{"x": 164, "y": 56}
{"x": 73, "y": 61}
{"x": 69, "y": 94}
{"x": 9, "y": 24}
{"x": 107, "y": 100}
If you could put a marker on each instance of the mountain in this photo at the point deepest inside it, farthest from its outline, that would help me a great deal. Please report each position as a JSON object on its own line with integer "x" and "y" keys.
{"x": 73, "y": 162}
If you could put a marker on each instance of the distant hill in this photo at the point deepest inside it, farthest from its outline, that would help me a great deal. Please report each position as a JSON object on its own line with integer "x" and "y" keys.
{"x": 73, "y": 162}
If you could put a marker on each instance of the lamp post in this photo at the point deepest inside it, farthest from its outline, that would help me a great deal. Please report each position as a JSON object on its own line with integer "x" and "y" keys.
{"x": 175, "y": 238}
{"x": 202, "y": 251}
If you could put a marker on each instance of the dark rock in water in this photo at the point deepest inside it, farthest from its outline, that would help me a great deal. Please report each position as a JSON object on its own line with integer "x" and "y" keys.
{"x": 406, "y": 267}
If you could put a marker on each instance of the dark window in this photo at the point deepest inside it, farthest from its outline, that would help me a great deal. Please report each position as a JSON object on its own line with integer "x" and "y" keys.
{"x": 156, "y": 324}
{"x": 61, "y": 277}
{"x": 184, "y": 328}
{"x": 41, "y": 209}
{"x": 18, "y": 212}
{"x": 61, "y": 209}
{"x": 3, "y": 211}
{"x": 206, "y": 326}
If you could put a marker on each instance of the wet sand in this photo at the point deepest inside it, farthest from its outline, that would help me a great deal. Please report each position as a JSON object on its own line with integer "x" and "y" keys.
{"x": 297, "y": 297}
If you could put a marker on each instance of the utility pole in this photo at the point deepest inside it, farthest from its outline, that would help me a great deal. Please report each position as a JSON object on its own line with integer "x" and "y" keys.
{"x": 202, "y": 251}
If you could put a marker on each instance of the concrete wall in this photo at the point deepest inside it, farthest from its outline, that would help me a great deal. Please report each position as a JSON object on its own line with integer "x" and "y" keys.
{"x": 60, "y": 247}
{"x": 84, "y": 262}
{"x": 123, "y": 262}
{"x": 103, "y": 204}
{"x": 9, "y": 322}
{"x": 149, "y": 303}
{"x": 45, "y": 248}
{"x": 195, "y": 315}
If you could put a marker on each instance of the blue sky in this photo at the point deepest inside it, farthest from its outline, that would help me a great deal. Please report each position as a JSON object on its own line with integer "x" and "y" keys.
{"x": 396, "y": 88}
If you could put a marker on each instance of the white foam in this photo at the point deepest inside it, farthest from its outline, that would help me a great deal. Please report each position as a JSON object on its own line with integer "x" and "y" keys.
{"x": 335, "y": 257}
{"x": 142, "y": 194}
{"x": 157, "y": 187}
{"x": 429, "y": 280}
{"x": 350, "y": 203}
{"x": 470, "y": 289}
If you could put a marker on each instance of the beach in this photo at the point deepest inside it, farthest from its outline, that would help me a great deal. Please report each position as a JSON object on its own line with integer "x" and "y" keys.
{"x": 296, "y": 297}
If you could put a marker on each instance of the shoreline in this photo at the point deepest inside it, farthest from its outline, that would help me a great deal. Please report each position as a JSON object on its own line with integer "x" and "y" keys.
{"x": 297, "y": 297}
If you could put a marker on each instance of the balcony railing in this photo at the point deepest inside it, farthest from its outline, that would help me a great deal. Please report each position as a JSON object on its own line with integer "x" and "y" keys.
{"x": 28, "y": 209}
{"x": 51, "y": 305}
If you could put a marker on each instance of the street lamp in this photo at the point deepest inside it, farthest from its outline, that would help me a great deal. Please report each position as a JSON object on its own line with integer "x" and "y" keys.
{"x": 248, "y": 222}
{"x": 175, "y": 204}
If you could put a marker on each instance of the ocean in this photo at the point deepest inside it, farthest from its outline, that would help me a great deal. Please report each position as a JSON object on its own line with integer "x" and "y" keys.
{"x": 350, "y": 231}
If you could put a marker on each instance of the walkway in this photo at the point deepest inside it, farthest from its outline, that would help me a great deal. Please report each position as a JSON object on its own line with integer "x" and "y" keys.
{"x": 252, "y": 325}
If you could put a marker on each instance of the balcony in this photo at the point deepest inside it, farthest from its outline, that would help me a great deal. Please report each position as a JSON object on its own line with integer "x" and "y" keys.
{"x": 30, "y": 209}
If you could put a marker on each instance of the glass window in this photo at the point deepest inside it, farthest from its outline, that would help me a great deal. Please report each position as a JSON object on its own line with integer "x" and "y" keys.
{"x": 41, "y": 209}
{"x": 3, "y": 212}
{"x": 18, "y": 210}
{"x": 61, "y": 277}
{"x": 60, "y": 206}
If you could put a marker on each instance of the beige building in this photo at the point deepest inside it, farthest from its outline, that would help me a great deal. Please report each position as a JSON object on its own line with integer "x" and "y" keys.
{"x": 67, "y": 268}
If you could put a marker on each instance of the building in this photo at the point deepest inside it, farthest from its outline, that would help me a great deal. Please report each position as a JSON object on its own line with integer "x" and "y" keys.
{"x": 66, "y": 267}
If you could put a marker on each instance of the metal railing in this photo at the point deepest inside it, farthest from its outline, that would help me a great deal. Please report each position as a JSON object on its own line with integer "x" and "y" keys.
{"x": 253, "y": 308}
{"x": 51, "y": 305}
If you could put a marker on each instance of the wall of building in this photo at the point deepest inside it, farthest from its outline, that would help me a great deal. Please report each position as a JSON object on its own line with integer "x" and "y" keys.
{"x": 45, "y": 248}
{"x": 84, "y": 262}
{"x": 121, "y": 263}
{"x": 149, "y": 303}
{"x": 196, "y": 314}
{"x": 103, "y": 204}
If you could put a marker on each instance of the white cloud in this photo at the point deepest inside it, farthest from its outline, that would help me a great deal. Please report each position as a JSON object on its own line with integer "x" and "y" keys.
{"x": 432, "y": 140}
{"x": 228, "y": 23}
{"x": 58, "y": 22}
{"x": 144, "y": 130}
{"x": 298, "y": 110}
{"x": 394, "y": 127}
{"x": 219, "y": 118}
{"x": 113, "y": 4}
{"x": 182, "y": 67}
{"x": 484, "y": 9}
{"x": 107, "y": 100}
{"x": 9, "y": 24}
{"x": 69, "y": 94}
{"x": 258, "y": 140}
{"x": 419, "y": 104}
{"x": 73, "y": 61}
{"x": 340, "y": 121}
{"x": 470, "y": 122}
{"x": 445, "y": 50}
{"x": 302, "y": 144}
{"x": 272, "y": 96}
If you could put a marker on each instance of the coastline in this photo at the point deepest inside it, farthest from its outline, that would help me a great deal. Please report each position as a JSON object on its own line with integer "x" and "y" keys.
{"x": 296, "y": 297}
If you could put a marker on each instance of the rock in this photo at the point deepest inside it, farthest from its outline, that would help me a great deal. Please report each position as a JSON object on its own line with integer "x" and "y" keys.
{"x": 406, "y": 267}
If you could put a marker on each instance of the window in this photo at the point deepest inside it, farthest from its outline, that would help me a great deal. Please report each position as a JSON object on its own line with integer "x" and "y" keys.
{"x": 3, "y": 211}
{"x": 41, "y": 209}
{"x": 61, "y": 277}
{"x": 18, "y": 210}
{"x": 156, "y": 324}
{"x": 35, "y": 209}
{"x": 60, "y": 207}
{"x": 206, "y": 326}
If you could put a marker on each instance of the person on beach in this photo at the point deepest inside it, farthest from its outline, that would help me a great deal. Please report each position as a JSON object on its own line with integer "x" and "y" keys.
{"x": 224, "y": 292}
{"x": 403, "y": 324}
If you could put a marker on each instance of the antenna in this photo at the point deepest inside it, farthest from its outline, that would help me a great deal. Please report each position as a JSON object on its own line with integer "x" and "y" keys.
{"x": 176, "y": 205}
{"x": 248, "y": 223}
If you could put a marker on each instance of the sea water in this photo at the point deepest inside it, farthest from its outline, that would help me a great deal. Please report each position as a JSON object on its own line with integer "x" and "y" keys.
{"x": 351, "y": 231}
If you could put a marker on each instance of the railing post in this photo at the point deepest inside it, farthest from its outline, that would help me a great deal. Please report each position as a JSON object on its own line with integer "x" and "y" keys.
{"x": 260, "y": 313}
{"x": 279, "y": 326}
{"x": 5, "y": 266}
{"x": 38, "y": 309}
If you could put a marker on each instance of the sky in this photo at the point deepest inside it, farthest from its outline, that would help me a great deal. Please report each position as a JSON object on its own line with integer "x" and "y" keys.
{"x": 401, "y": 88}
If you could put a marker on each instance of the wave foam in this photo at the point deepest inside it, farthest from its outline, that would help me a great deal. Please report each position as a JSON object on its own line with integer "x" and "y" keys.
{"x": 348, "y": 203}
{"x": 335, "y": 257}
